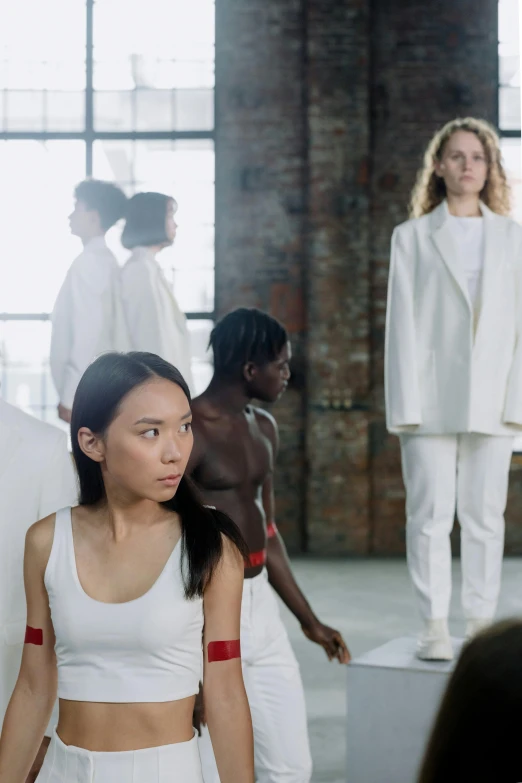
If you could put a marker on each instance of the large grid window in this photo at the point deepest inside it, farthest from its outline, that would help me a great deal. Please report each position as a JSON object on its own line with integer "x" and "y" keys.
{"x": 127, "y": 95}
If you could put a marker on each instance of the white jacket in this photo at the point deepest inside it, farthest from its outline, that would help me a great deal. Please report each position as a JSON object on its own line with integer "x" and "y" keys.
{"x": 36, "y": 479}
{"x": 154, "y": 319}
{"x": 88, "y": 317}
{"x": 448, "y": 369}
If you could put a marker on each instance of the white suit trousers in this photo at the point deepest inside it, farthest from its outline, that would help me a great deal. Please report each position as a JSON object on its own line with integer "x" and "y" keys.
{"x": 469, "y": 473}
{"x": 178, "y": 763}
{"x": 275, "y": 693}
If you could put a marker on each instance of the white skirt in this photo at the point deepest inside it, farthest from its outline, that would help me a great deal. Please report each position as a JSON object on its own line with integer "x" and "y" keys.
{"x": 178, "y": 763}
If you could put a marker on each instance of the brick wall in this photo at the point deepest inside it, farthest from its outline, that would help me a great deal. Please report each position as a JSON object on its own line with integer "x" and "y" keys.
{"x": 338, "y": 276}
{"x": 261, "y": 151}
{"x": 323, "y": 109}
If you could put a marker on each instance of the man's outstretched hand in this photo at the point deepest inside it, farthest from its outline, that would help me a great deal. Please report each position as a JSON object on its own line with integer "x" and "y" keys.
{"x": 330, "y": 640}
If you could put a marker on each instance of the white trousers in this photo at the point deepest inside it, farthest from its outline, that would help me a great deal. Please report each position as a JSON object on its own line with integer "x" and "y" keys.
{"x": 178, "y": 763}
{"x": 469, "y": 473}
{"x": 275, "y": 693}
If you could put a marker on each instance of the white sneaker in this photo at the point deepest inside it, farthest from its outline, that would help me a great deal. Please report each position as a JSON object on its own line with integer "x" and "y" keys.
{"x": 477, "y": 624}
{"x": 434, "y": 643}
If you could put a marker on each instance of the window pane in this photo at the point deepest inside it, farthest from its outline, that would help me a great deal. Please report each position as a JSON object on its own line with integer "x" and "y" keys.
{"x": 194, "y": 109}
{"x": 194, "y": 288}
{"x": 40, "y": 56}
{"x": 509, "y": 108}
{"x": 24, "y": 110}
{"x": 65, "y": 111}
{"x": 114, "y": 111}
{"x": 509, "y": 71}
{"x": 56, "y": 33}
{"x": 511, "y": 158}
{"x": 24, "y": 368}
{"x": 154, "y": 110}
{"x": 508, "y": 29}
{"x": 36, "y": 247}
{"x": 201, "y": 356}
{"x": 39, "y": 111}
{"x": 167, "y": 47}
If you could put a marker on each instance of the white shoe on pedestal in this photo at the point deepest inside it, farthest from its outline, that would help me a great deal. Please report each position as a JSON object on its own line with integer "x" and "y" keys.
{"x": 477, "y": 624}
{"x": 434, "y": 643}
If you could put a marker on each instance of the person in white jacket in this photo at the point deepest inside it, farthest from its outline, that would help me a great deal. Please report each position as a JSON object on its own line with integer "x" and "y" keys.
{"x": 453, "y": 372}
{"x": 36, "y": 479}
{"x": 154, "y": 320}
{"x": 87, "y": 317}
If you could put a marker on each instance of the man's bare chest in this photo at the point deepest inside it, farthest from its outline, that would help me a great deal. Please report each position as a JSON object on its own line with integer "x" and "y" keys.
{"x": 241, "y": 457}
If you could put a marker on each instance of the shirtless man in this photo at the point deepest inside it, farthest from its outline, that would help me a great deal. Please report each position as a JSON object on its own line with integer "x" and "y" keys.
{"x": 235, "y": 448}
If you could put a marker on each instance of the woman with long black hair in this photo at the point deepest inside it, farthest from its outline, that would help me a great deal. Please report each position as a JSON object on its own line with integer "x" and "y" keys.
{"x": 121, "y": 592}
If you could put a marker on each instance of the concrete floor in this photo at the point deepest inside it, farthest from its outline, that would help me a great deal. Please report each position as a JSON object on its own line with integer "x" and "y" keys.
{"x": 370, "y": 602}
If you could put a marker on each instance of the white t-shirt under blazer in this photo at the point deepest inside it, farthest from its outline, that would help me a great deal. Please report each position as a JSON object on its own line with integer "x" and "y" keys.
{"x": 468, "y": 233}
{"x": 453, "y": 345}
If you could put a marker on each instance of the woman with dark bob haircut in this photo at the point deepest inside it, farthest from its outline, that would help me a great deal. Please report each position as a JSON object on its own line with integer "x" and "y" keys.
{"x": 131, "y": 596}
{"x": 476, "y": 736}
{"x": 154, "y": 319}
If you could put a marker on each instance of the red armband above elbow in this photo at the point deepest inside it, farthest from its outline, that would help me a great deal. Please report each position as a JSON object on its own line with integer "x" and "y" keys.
{"x": 271, "y": 530}
{"x": 224, "y": 651}
{"x": 33, "y": 635}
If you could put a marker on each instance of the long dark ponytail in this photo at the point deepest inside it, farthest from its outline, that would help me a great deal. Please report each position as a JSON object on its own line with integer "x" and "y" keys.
{"x": 104, "y": 385}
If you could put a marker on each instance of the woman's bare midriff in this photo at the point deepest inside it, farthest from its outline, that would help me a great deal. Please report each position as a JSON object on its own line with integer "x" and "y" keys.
{"x": 103, "y": 727}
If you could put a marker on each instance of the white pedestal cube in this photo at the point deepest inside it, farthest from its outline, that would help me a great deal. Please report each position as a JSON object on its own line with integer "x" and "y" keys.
{"x": 392, "y": 701}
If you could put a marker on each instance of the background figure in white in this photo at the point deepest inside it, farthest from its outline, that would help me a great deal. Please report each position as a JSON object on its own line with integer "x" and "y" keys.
{"x": 88, "y": 317}
{"x": 36, "y": 479}
{"x": 453, "y": 372}
{"x": 154, "y": 319}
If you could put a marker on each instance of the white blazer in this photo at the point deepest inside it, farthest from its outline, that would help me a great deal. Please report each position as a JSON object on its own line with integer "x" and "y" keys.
{"x": 447, "y": 369}
{"x": 154, "y": 319}
{"x": 88, "y": 317}
{"x": 36, "y": 478}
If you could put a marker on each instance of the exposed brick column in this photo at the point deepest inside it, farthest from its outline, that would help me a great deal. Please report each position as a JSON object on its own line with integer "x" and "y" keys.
{"x": 260, "y": 185}
{"x": 338, "y": 276}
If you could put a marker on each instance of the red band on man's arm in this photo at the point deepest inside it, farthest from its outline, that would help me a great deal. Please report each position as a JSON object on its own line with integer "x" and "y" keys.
{"x": 271, "y": 530}
{"x": 256, "y": 559}
{"x": 33, "y": 635}
{"x": 224, "y": 651}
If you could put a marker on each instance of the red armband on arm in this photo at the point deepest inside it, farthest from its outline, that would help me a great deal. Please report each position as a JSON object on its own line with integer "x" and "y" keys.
{"x": 271, "y": 530}
{"x": 224, "y": 651}
{"x": 33, "y": 635}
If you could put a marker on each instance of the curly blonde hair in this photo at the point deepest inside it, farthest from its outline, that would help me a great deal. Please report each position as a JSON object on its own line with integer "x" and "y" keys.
{"x": 430, "y": 190}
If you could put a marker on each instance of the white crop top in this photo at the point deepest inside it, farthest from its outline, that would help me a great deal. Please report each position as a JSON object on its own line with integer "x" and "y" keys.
{"x": 149, "y": 649}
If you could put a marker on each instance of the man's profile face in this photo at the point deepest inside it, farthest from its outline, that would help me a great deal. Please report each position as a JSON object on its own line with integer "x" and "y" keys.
{"x": 267, "y": 382}
{"x": 82, "y": 220}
